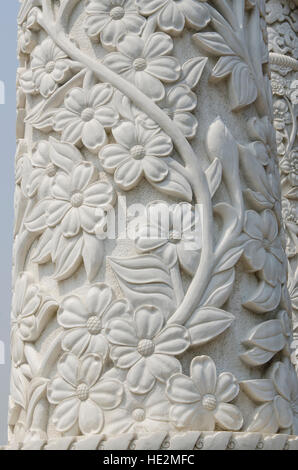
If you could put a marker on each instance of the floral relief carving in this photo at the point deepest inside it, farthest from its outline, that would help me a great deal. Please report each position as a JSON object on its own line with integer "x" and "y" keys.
{"x": 279, "y": 397}
{"x": 282, "y": 34}
{"x": 120, "y": 346}
{"x": 202, "y": 400}
{"x": 79, "y": 395}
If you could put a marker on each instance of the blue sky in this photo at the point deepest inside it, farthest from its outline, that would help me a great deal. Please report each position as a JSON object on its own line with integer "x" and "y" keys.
{"x": 8, "y": 35}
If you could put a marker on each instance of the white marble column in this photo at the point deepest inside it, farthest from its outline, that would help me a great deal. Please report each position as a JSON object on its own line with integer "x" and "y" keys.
{"x": 153, "y": 114}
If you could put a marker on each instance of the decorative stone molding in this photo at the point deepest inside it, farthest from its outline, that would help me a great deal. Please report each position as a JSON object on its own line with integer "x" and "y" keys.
{"x": 186, "y": 332}
{"x": 191, "y": 440}
{"x": 282, "y": 19}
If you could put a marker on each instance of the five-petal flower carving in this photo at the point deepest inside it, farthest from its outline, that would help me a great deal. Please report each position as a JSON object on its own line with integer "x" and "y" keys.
{"x": 147, "y": 347}
{"x": 147, "y": 64}
{"x": 84, "y": 319}
{"x": 173, "y": 15}
{"x": 81, "y": 395}
{"x": 110, "y": 19}
{"x": 49, "y": 67}
{"x": 86, "y": 115}
{"x": 202, "y": 400}
{"x": 136, "y": 154}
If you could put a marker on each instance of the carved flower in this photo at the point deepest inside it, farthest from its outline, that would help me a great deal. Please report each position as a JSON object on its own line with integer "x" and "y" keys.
{"x": 279, "y": 395}
{"x": 180, "y": 100}
{"x": 78, "y": 202}
{"x": 86, "y": 116}
{"x": 27, "y": 39}
{"x": 263, "y": 251}
{"x": 173, "y": 15}
{"x": 81, "y": 395}
{"x": 43, "y": 171}
{"x": 289, "y": 166}
{"x": 136, "y": 154}
{"x": 26, "y": 301}
{"x": 49, "y": 67}
{"x": 262, "y": 131}
{"x": 111, "y": 19}
{"x": 145, "y": 63}
{"x": 85, "y": 317}
{"x": 276, "y": 11}
{"x": 290, "y": 220}
{"x": 286, "y": 402}
{"x": 147, "y": 348}
{"x": 140, "y": 413}
{"x": 173, "y": 233}
{"x": 201, "y": 401}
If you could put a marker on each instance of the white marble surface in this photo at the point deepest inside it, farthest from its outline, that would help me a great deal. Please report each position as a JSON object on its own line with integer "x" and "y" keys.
{"x": 163, "y": 101}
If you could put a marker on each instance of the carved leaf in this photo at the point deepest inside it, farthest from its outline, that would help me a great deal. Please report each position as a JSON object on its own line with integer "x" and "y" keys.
{"x": 230, "y": 258}
{"x": 214, "y": 43}
{"x": 192, "y": 70}
{"x": 260, "y": 390}
{"x": 145, "y": 280}
{"x": 264, "y": 420}
{"x": 243, "y": 90}
{"x": 255, "y": 174}
{"x": 267, "y": 339}
{"x": 68, "y": 256}
{"x": 268, "y": 335}
{"x": 42, "y": 252}
{"x": 222, "y": 145}
{"x": 257, "y": 200}
{"x": 175, "y": 184}
{"x": 292, "y": 194}
{"x": 256, "y": 357}
{"x": 37, "y": 390}
{"x": 265, "y": 299}
{"x": 223, "y": 68}
{"x": 64, "y": 155}
{"x": 214, "y": 175}
{"x": 36, "y": 221}
{"x": 207, "y": 323}
{"x": 19, "y": 386}
{"x": 92, "y": 254}
{"x": 219, "y": 288}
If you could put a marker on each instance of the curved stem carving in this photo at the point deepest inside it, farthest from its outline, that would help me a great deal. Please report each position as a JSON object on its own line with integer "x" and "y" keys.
{"x": 196, "y": 175}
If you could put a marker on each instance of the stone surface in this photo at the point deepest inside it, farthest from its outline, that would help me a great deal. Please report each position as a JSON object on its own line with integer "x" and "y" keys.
{"x": 143, "y": 342}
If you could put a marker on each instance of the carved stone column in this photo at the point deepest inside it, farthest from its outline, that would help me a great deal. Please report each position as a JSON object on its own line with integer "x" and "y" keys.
{"x": 282, "y": 19}
{"x": 153, "y": 116}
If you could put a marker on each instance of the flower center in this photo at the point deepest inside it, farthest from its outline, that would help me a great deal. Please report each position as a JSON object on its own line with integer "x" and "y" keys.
{"x": 146, "y": 347}
{"x": 138, "y": 414}
{"x": 117, "y": 13}
{"x": 82, "y": 392}
{"x": 50, "y": 66}
{"x": 139, "y": 64}
{"x": 77, "y": 199}
{"x": 94, "y": 325}
{"x": 87, "y": 114}
{"x": 209, "y": 402}
{"x": 138, "y": 152}
{"x": 51, "y": 170}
